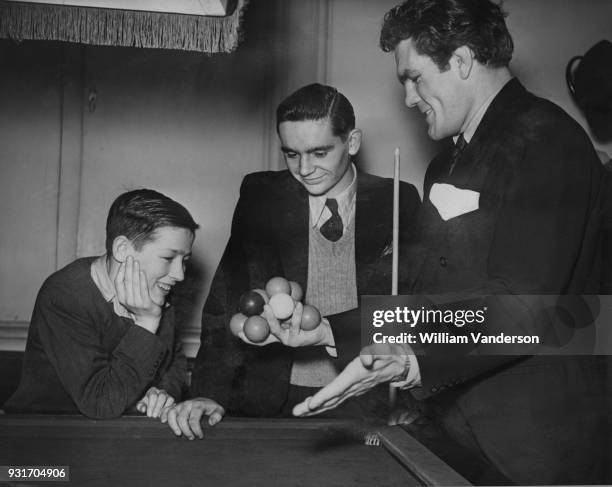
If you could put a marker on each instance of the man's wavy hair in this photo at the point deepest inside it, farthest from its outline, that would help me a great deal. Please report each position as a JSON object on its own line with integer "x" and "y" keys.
{"x": 438, "y": 27}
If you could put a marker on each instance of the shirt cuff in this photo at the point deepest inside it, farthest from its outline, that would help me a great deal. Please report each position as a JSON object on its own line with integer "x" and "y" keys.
{"x": 331, "y": 351}
{"x": 331, "y": 347}
{"x": 413, "y": 377}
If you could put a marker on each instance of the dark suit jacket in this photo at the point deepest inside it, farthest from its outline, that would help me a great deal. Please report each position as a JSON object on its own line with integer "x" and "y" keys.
{"x": 269, "y": 237}
{"x": 537, "y": 231}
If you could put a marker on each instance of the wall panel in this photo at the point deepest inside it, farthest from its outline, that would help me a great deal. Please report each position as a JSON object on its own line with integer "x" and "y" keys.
{"x": 30, "y": 111}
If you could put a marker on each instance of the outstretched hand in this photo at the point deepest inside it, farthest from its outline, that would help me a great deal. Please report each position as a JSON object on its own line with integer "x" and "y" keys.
{"x": 375, "y": 365}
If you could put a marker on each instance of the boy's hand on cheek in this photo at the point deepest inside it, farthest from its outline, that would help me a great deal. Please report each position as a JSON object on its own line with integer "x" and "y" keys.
{"x": 133, "y": 293}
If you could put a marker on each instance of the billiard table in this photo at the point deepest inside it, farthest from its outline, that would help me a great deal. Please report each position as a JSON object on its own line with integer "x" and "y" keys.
{"x": 237, "y": 452}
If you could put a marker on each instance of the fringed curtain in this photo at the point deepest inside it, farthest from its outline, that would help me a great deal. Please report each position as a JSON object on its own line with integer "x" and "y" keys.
{"x": 106, "y": 27}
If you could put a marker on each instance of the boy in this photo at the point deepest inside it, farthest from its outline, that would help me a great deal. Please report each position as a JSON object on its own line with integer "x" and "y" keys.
{"x": 102, "y": 336}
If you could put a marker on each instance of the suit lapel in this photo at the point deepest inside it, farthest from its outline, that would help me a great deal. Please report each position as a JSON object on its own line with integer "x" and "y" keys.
{"x": 291, "y": 228}
{"x": 371, "y": 229}
{"x": 480, "y": 152}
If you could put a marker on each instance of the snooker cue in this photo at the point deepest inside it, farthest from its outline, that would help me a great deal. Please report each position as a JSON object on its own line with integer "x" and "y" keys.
{"x": 394, "y": 264}
{"x": 395, "y": 249}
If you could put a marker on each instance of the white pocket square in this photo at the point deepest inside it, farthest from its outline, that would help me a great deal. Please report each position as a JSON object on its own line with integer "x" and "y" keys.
{"x": 451, "y": 201}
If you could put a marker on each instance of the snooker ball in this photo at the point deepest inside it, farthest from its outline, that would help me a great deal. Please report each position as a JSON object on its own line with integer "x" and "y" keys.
{"x": 263, "y": 294}
{"x": 237, "y": 323}
{"x": 256, "y": 329}
{"x": 311, "y": 318}
{"x": 282, "y": 306}
{"x": 278, "y": 285}
{"x": 296, "y": 291}
{"x": 251, "y": 303}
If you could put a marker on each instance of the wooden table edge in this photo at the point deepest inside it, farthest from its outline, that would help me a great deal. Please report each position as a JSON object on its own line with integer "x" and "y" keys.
{"x": 415, "y": 456}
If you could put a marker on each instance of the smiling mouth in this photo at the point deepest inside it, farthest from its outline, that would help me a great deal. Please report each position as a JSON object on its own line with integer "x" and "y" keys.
{"x": 312, "y": 181}
{"x": 164, "y": 287}
{"x": 428, "y": 114}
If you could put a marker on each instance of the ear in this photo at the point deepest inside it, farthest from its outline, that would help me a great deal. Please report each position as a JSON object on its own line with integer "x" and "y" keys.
{"x": 463, "y": 57}
{"x": 122, "y": 247}
{"x": 354, "y": 141}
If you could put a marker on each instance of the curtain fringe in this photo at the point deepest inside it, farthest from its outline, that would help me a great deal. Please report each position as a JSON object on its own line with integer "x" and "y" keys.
{"x": 128, "y": 28}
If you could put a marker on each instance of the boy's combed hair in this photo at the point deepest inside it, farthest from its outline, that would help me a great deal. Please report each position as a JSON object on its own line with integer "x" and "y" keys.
{"x": 139, "y": 213}
{"x": 439, "y": 27}
{"x": 318, "y": 102}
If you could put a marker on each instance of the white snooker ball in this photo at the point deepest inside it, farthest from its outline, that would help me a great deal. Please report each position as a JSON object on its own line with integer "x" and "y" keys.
{"x": 282, "y": 306}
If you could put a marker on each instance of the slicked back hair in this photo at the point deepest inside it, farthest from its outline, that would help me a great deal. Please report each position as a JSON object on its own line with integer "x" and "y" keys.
{"x": 318, "y": 102}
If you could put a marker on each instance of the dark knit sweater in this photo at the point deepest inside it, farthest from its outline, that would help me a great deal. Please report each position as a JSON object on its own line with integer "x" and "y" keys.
{"x": 82, "y": 357}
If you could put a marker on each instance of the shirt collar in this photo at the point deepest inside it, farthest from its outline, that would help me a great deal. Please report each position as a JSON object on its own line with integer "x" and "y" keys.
{"x": 99, "y": 274}
{"x": 319, "y": 213}
{"x": 472, "y": 125}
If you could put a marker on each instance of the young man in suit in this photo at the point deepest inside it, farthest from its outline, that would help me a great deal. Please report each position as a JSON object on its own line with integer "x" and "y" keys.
{"x": 281, "y": 228}
{"x": 511, "y": 206}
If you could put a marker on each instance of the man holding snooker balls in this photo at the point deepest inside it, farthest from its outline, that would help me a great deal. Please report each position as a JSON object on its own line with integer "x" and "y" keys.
{"x": 320, "y": 223}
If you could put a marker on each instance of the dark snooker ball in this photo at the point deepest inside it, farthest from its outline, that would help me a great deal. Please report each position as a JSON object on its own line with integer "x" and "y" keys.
{"x": 251, "y": 303}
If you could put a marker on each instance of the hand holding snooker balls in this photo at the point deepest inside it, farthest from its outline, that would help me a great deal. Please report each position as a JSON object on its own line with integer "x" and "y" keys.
{"x": 283, "y": 303}
{"x": 282, "y": 296}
